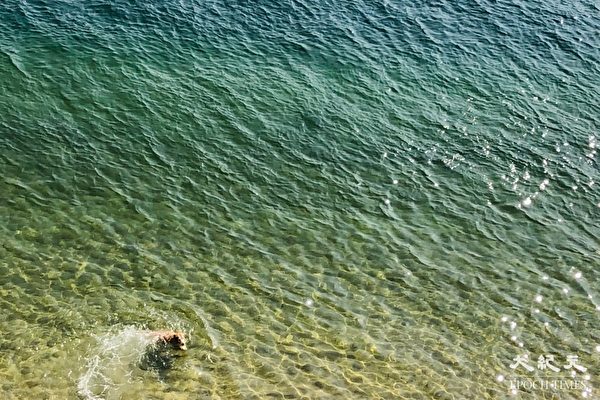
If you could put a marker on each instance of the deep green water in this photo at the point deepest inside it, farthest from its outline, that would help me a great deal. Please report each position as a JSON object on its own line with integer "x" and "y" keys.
{"x": 349, "y": 200}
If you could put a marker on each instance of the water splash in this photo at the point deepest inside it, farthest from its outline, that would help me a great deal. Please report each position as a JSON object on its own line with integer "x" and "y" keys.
{"x": 113, "y": 363}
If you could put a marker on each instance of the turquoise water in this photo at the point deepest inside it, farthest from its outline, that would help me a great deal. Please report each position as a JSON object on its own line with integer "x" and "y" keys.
{"x": 353, "y": 200}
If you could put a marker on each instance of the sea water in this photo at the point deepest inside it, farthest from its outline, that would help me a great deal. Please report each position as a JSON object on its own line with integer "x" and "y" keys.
{"x": 354, "y": 200}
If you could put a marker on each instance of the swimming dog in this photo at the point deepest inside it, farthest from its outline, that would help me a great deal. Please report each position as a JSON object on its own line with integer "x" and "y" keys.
{"x": 164, "y": 348}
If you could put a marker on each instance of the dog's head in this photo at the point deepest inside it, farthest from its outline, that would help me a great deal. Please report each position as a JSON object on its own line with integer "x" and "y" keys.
{"x": 177, "y": 340}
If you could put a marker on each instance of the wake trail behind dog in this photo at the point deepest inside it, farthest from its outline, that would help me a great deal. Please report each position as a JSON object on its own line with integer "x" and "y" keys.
{"x": 113, "y": 366}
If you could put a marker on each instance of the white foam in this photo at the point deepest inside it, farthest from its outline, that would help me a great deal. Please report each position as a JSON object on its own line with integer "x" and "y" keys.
{"x": 112, "y": 363}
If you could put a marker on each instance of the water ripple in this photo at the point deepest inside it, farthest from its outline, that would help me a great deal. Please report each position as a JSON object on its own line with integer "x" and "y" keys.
{"x": 354, "y": 200}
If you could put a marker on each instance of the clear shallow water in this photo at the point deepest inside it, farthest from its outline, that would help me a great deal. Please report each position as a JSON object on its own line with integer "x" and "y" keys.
{"x": 334, "y": 200}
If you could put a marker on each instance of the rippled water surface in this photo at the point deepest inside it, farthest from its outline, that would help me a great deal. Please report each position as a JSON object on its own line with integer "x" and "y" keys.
{"x": 351, "y": 200}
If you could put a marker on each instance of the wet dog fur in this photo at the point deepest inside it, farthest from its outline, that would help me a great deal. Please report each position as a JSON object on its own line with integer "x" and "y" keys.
{"x": 165, "y": 347}
{"x": 173, "y": 339}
